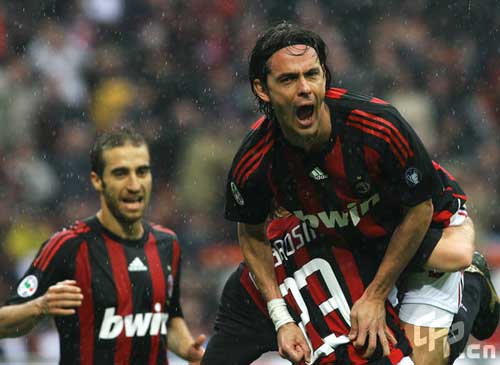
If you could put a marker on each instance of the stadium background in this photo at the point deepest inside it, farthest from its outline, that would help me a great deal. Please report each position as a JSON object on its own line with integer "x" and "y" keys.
{"x": 176, "y": 71}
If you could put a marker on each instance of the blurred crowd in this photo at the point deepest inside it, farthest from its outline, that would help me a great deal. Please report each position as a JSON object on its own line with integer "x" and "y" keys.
{"x": 177, "y": 71}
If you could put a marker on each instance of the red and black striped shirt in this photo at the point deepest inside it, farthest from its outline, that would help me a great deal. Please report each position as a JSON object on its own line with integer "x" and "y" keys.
{"x": 130, "y": 287}
{"x": 320, "y": 283}
{"x": 357, "y": 188}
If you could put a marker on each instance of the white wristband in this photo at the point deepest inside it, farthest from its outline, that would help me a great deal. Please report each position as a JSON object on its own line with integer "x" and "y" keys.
{"x": 279, "y": 313}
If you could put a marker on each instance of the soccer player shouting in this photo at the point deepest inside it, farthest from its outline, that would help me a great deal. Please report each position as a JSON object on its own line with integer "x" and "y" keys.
{"x": 350, "y": 166}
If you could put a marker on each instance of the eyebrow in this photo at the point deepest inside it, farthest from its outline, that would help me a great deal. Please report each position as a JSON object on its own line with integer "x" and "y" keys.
{"x": 292, "y": 74}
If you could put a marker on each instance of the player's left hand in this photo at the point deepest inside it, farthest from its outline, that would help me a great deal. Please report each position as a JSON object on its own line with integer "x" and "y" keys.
{"x": 368, "y": 324}
{"x": 196, "y": 351}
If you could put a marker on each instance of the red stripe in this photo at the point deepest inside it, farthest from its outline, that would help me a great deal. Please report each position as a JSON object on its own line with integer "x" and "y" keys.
{"x": 52, "y": 241}
{"x": 176, "y": 252}
{"x": 119, "y": 268}
{"x": 354, "y": 356}
{"x": 335, "y": 93}
{"x": 381, "y": 136}
{"x": 163, "y": 229}
{"x": 159, "y": 292}
{"x": 261, "y": 154}
{"x": 442, "y": 217}
{"x": 458, "y": 196}
{"x": 350, "y": 272}
{"x": 369, "y": 228}
{"x": 372, "y": 158}
{"x": 378, "y": 101}
{"x": 441, "y": 168}
{"x": 246, "y": 159}
{"x": 319, "y": 296}
{"x": 252, "y": 290}
{"x": 86, "y": 319}
{"x": 305, "y": 189}
{"x": 258, "y": 123}
{"x": 403, "y": 149}
{"x": 316, "y": 340}
{"x": 390, "y": 125}
{"x": 49, "y": 254}
{"x": 395, "y": 356}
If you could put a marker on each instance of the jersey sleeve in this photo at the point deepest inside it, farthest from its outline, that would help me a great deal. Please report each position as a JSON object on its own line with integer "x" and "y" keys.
{"x": 50, "y": 265}
{"x": 411, "y": 175}
{"x": 248, "y": 191}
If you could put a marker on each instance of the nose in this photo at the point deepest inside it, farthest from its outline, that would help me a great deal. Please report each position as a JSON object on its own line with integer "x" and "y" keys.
{"x": 133, "y": 183}
{"x": 304, "y": 87}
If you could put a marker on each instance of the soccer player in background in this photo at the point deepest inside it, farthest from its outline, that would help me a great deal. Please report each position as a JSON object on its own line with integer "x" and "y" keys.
{"x": 111, "y": 280}
{"x": 353, "y": 168}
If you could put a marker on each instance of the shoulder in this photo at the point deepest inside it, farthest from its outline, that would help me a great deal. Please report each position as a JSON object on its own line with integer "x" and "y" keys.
{"x": 352, "y": 102}
{"x": 63, "y": 242}
{"x": 252, "y": 156}
{"x": 163, "y": 233}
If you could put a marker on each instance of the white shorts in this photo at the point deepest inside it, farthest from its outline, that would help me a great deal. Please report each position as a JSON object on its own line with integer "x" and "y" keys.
{"x": 432, "y": 299}
{"x": 406, "y": 361}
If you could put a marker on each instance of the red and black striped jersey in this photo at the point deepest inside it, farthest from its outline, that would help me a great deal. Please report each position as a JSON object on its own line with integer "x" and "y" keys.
{"x": 130, "y": 288}
{"x": 357, "y": 188}
{"x": 320, "y": 283}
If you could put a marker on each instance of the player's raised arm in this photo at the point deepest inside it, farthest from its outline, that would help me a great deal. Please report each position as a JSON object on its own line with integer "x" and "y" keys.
{"x": 61, "y": 299}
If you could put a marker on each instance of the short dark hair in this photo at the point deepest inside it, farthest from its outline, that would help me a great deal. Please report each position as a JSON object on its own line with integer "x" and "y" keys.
{"x": 280, "y": 36}
{"x": 111, "y": 139}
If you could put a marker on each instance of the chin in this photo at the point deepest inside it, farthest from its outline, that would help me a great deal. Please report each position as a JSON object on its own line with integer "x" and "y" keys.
{"x": 131, "y": 218}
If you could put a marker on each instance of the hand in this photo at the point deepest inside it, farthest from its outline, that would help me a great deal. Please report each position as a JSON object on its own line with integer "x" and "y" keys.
{"x": 368, "y": 320}
{"x": 292, "y": 344}
{"x": 61, "y": 299}
{"x": 195, "y": 351}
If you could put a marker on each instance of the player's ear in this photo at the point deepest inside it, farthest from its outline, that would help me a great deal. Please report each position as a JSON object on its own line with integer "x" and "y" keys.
{"x": 96, "y": 181}
{"x": 260, "y": 90}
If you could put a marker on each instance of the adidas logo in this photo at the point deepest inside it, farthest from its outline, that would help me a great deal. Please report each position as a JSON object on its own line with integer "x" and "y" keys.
{"x": 137, "y": 265}
{"x": 317, "y": 174}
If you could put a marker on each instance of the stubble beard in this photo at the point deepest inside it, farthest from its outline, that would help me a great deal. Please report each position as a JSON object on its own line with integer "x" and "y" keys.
{"x": 112, "y": 205}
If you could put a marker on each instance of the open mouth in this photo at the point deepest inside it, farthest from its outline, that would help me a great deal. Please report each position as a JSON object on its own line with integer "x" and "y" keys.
{"x": 305, "y": 112}
{"x": 133, "y": 204}
{"x": 133, "y": 200}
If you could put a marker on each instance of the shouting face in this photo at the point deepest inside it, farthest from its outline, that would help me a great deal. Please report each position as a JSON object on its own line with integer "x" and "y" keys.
{"x": 295, "y": 87}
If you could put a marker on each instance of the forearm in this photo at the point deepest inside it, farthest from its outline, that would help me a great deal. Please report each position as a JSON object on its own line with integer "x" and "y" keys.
{"x": 179, "y": 337}
{"x": 259, "y": 259}
{"x": 403, "y": 245}
{"x": 17, "y": 320}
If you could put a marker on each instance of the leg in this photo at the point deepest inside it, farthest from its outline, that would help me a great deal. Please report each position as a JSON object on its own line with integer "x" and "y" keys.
{"x": 242, "y": 331}
{"x": 454, "y": 250}
{"x": 429, "y": 344}
{"x": 427, "y": 333}
{"x": 428, "y": 306}
{"x": 236, "y": 350}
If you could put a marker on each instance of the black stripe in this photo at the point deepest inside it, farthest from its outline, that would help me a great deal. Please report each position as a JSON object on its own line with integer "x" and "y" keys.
{"x": 68, "y": 326}
{"x": 141, "y": 287}
{"x": 165, "y": 252}
{"x": 104, "y": 295}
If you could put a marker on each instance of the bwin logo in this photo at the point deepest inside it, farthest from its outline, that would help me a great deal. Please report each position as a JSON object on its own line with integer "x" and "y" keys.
{"x": 335, "y": 218}
{"x": 135, "y": 325}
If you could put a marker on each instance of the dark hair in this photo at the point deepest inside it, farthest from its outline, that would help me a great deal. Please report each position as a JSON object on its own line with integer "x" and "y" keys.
{"x": 274, "y": 39}
{"x": 111, "y": 139}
